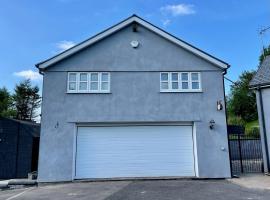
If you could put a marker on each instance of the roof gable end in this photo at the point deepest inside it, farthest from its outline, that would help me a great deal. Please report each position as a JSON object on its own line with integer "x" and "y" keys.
{"x": 133, "y": 19}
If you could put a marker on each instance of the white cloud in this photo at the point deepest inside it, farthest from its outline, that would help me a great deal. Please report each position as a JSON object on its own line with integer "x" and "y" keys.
{"x": 64, "y": 45}
{"x": 166, "y": 22}
{"x": 179, "y": 9}
{"x": 28, "y": 74}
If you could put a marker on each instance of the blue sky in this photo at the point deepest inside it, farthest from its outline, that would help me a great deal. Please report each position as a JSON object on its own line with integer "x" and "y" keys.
{"x": 31, "y": 31}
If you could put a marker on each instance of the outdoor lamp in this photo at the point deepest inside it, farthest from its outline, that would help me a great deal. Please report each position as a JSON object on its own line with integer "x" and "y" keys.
{"x": 219, "y": 105}
{"x": 212, "y": 124}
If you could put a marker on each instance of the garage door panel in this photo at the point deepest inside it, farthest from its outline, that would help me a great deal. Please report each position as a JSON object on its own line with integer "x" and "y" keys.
{"x": 104, "y": 152}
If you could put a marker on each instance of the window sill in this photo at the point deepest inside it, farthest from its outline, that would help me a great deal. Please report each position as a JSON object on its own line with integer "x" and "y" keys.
{"x": 88, "y": 93}
{"x": 182, "y": 91}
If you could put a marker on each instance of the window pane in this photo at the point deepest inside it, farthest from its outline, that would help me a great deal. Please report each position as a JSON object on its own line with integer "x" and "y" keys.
{"x": 164, "y": 86}
{"x": 174, "y": 76}
{"x": 195, "y": 85}
{"x": 104, "y": 77}
{"x": 72, "y": 86}
{"x": 184, "y": 76}
{"x": 94, "y": 76}
{"x": 104, "y": 86}
{"x": 184, "y": 85}
{"x": 94, "y": 86}
{"x": 194, "y": 76}
{"x": 72, "y": 77}
{"x": 83, "y": 86}
{"x": 164, "y": 76}
{"x": 175, "y": 85}
{"x": 83, "y": 77}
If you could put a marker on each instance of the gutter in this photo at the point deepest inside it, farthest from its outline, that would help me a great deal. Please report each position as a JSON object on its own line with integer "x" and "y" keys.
{"x": 264, "y": 129}
{"x": 264, "y": 85}
{"x": 39, "y": 70}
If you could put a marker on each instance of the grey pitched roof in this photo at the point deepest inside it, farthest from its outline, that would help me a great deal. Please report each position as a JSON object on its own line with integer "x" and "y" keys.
{"x": 262, "y": 77}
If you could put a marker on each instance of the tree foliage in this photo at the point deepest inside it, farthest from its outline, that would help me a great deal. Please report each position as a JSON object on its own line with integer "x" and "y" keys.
{"x": 242, "y": 100}
{"x": 266, "y": 52}
{"x": 6, "y": 104}
{"x": 26, "y": 100}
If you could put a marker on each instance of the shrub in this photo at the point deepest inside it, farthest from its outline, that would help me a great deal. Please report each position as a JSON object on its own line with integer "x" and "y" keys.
{"x": 253, "y": 132}
{"x": 233, "y": 120}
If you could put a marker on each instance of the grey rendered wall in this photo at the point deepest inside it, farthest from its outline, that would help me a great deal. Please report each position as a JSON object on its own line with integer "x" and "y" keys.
{"x": 134, "y": 97}
{"x": 265, "y": 92}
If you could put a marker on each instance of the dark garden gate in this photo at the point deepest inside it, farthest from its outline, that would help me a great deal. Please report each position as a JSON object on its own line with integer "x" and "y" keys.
{"x": 245, "y": 151}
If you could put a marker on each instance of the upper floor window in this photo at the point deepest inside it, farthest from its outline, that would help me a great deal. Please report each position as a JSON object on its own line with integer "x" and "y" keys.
{"x": 180, "y": 82}
{"x": 88, "y": 82}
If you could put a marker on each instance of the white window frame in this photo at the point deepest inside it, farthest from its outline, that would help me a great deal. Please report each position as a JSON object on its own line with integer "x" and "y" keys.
{"x": 79, "y": 81}
{"x": 167, "y": 81}
{"x": 88, "y": 90}
{"x": 196, "y": 81}
{"x": 189, "y": 81}
{"x": 76, "y": 75}
{"x": 102, "y": 81}
{"x": 90, "y": 82}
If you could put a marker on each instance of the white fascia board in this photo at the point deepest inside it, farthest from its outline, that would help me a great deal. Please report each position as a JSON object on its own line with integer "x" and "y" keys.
{"x": 120, "y": 26}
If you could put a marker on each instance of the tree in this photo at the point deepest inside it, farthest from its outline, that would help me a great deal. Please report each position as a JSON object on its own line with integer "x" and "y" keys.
{"x": 242, "y": 100}
{"x": 6, "y": 106}
{"x": 266, "y": 52}
{"x": 26, "y": 100}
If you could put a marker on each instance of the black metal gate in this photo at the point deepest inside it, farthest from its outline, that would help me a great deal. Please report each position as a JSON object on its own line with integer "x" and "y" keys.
{"x": 245, "y": 151}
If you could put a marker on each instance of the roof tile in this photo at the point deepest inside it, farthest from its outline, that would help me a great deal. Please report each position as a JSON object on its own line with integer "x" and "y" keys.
{"x": 262, "y": 77}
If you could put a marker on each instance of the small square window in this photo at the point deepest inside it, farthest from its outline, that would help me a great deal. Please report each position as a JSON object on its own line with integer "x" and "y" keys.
{"x": 72, "y": 86}
{"x": 83, "y": 76}
{"x": 195, "y": 85}
{"x": 194, "y": 76}
{"x": 104, "y": 86}
{"x": 165, "y": 85}
{"x": 83, "y": 86}
{"x": 164, "y": 76}
{"x": 104, "y": 77}
{"x": 72, "y": 77}
{"x": 174, "y": 85}
{"x": 174, "y": 76}
{"x": 184, "y": 85}
{"x": 94, "y": 86}
{"x": 184, "y": 76}
{"x": 94, "y": 76}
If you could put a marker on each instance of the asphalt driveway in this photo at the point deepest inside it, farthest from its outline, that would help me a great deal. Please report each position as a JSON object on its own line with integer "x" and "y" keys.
{"x": 136, "y": 190}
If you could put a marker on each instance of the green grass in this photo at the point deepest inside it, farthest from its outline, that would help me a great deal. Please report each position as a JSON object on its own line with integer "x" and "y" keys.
{"x": 250, "y": 125}
{"x": 252, "y": 129}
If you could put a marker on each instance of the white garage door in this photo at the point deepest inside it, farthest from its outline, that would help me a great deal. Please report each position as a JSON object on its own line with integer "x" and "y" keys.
{"x": 134, "y": 151}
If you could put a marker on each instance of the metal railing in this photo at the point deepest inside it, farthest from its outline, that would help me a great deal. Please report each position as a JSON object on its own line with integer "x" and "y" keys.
{"x": 246, "y": 153}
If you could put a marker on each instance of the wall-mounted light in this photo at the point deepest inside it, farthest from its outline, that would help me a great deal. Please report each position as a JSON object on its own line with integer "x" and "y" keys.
{"x": 212, "y": 124}
{"x": 219, "y": 105}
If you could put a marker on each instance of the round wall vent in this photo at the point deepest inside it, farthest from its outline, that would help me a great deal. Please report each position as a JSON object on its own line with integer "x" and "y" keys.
{"x": 134, "y": 43}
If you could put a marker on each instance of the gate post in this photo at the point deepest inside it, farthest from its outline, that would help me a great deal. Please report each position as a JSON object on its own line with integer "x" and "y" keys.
{"x": 240, "y": 153}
